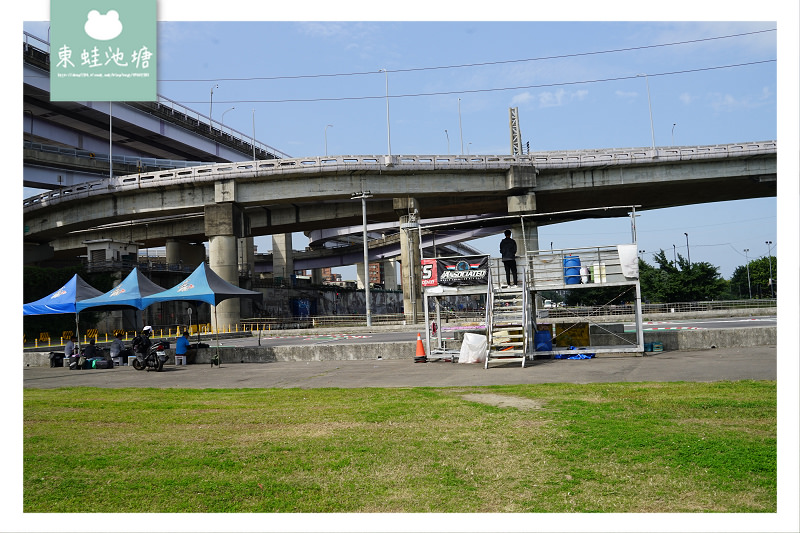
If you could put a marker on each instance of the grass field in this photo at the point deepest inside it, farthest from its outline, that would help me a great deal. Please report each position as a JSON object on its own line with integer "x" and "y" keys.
{"x": 624, "y": 447}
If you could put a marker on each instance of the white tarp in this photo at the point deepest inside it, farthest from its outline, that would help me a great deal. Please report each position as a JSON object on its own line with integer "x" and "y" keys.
{"x": 473, "y": 348}
{"x": 629, "y": 260}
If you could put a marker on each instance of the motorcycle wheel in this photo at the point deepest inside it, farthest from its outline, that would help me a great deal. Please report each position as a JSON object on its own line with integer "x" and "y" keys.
{"x": 138, "y": 365}
{"x": 159, "y": 364}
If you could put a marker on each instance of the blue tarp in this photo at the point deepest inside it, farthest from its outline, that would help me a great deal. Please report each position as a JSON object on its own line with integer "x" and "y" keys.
{"x": 202, "y": 285}
{"x": 64, "y": 300}
{"x": 129, "y": 293}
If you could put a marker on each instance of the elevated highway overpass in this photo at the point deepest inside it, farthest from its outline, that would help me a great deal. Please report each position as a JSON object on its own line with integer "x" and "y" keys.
{"x": 224, "y": 202}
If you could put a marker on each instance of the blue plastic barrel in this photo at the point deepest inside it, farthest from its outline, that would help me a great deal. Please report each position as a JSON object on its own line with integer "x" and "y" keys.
{"x": 542, "y": 341}
{"x": 572, "y": 270}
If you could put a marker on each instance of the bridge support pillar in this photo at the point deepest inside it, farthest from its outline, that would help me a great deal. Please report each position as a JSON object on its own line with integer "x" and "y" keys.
{"x": 225, "y": 224}
{"x": 526, "y": 232}
{"x": 389, "y": 275}
{"x": 410, "y": 270}
{"x": 247, "y": 269}
{"x": 282, "y": 259}
{"x": 361, "y": 278}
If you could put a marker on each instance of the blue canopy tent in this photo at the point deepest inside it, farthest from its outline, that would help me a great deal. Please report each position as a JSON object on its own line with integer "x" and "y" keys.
{"x": 203, "y": 285}
{"x": 129, "y": 293}
{"x": 64, "y": 300}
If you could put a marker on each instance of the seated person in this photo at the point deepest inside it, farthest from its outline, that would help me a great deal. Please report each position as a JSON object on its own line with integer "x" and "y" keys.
{"x": 91, "y": 350}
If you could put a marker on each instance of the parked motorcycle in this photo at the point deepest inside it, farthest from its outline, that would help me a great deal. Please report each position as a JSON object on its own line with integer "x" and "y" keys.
{"x": 155, "y": 358}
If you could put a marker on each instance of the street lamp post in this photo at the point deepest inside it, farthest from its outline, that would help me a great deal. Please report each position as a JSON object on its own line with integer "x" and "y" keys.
{"x": 326, "y": 138}
{"x": 222, "y": 121}
{"x": 254, "y": 134}
{"x": 448, "y": 141}
{"x": 750, "y": 292}
{"x": 769, "y": 258}
{"x": 688, "y": 254}
{"x": 674, "y": 257}
{"x": 363, "y": 195}
{"x": 673, "y": 133}
{"x": 211, "y": 104}
{"x": 460, "y": 131}
{"x": 388, "y": 127}
{"x": 649, "y": 105}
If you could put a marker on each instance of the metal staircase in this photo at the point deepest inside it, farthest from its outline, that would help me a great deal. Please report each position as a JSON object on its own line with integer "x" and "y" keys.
{"x": 508, "y": 315}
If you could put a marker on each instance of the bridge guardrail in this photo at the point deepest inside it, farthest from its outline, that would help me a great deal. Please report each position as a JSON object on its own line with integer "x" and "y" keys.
{"x": 540, "y": 160}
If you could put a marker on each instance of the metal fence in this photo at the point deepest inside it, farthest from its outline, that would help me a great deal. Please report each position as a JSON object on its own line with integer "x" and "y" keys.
{"x": 675, "y": 307}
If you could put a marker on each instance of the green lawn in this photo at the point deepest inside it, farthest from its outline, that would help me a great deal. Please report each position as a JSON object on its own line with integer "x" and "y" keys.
{"x": 623, "y": 447}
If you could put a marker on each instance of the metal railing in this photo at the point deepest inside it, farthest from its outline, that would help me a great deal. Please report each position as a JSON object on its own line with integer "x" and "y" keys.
{"x": 142, "y": 162}
{"x": 660, "y": 308}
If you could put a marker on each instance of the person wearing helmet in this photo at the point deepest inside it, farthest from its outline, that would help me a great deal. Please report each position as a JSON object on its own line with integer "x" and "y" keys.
{"x": 142, "y": 341}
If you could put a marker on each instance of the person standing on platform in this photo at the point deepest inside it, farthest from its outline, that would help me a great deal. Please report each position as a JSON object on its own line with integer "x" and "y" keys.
{"x": 508, "y": 251}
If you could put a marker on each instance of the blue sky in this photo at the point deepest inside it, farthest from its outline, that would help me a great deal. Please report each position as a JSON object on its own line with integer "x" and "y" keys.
{"x": 451, "y": 85}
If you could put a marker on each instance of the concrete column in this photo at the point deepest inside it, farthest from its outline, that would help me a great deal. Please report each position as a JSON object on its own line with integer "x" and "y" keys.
{"x": 411, "y": 272}
{"x": 247, "y": 255}
{"x": 282, "y": 260}
{"x": 224, "y": 225}
{"x": 360, "y": 277}
{"x": 247, "y": 265}
{"x": 390, "y": 274}
{"x": 316, "y": 276}
{"x": 525, "y": 233}
{"x": 173, "y": 251}
{"x": 223, "y": 260}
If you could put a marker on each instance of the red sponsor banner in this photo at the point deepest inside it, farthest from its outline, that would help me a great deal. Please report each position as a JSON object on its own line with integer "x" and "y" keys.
{"x": 430, "y": 278}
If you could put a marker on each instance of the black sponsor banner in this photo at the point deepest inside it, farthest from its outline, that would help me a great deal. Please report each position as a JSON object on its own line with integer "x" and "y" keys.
{"x": 455, "y": 272}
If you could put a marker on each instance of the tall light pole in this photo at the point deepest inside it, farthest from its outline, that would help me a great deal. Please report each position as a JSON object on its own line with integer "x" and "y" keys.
{"x": 673, "y": 133}
{"x": 211, "y": 104}
{"x": 222, "y": 121}
{"x": 749, "y": 291}
{"x": 363, "y": 195}
{"x": 254, "y": 134}
{"x": 688, "y": 255}
{"x": 674, "y": 257}
{"x": 460, "y": 131}
{"x": 388, "y": 127}
{"x": 652, "y": 132}
{"x": 445, "y": 132}
{"x": 769, "y": 258}
{"x": 326, "y": 138}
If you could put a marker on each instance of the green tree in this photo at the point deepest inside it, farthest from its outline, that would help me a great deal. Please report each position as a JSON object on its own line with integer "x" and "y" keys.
{"x": 759, "y": 278}
{"x": 680, "y": 281}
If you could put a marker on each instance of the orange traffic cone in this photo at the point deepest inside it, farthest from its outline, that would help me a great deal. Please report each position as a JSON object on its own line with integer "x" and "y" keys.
{"x": 420, "y": 357}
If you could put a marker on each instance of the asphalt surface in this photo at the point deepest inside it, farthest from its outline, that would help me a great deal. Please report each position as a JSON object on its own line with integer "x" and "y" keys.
{"x": 757, "y": 363}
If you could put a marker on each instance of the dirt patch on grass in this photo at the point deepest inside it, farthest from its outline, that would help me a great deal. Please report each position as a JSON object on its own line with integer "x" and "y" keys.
{"x": 499, "y": 400}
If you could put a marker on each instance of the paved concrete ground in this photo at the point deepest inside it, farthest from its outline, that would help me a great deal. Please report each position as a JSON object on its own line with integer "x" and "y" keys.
{"x": 759, "y": 363}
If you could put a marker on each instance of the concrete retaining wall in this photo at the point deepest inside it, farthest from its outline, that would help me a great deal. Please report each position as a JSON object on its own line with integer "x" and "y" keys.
{"x": 672, "y": 340}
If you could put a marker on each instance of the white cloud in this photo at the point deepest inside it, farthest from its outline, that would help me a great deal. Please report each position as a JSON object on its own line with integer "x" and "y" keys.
{"x": 685, "y": 98}
{"x": 523, "y": 99}
{"x": 103, "y": 27}
{"x": 627, "y": 94}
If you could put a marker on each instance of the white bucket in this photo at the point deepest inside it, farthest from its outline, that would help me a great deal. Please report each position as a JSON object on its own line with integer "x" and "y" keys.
{"x": 584, "y": 274}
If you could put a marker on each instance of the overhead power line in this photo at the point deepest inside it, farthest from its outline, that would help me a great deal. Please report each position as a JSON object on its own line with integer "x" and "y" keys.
{"x": 497, "y": 89}
{"x": 482, "y": 64}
